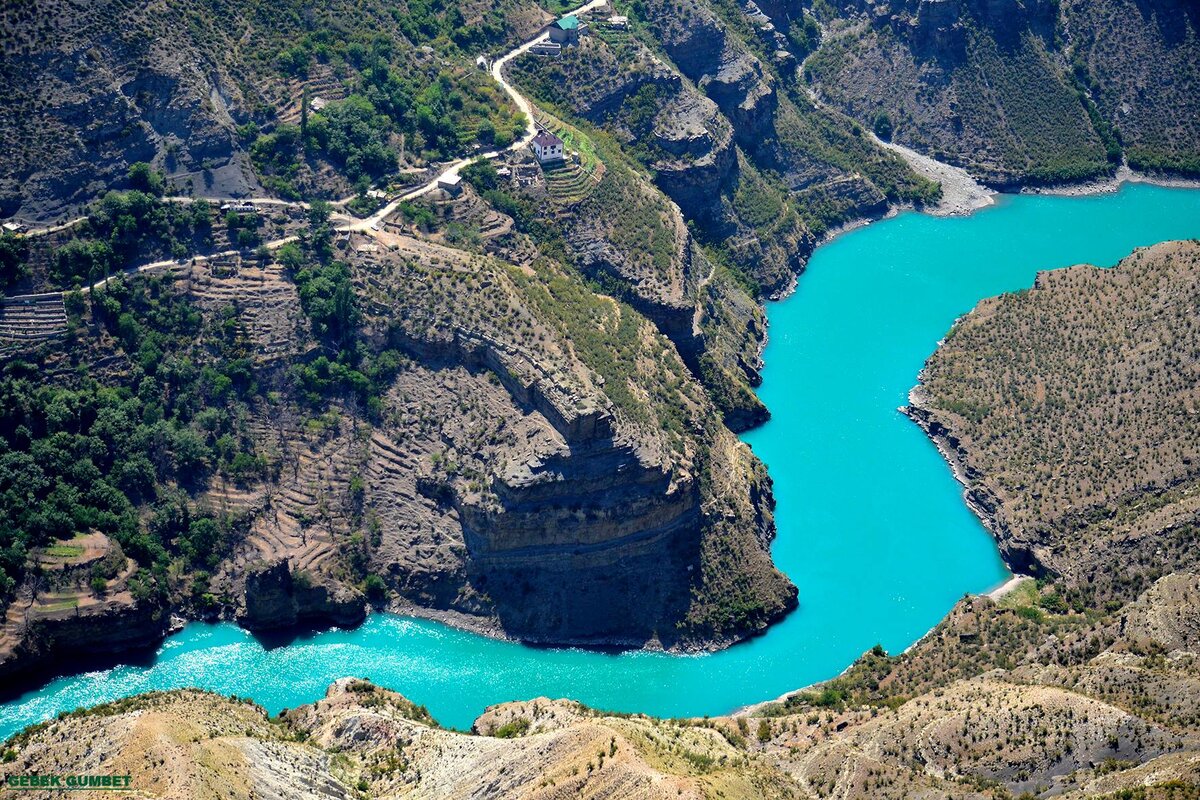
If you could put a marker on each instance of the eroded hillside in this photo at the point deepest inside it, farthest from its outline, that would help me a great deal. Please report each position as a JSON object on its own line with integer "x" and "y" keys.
{"x": 1071, "y": 412}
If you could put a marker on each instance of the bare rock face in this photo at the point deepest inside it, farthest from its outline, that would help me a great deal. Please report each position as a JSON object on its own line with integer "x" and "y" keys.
{"x": 49, "y": 640}
{"x": 80, "y": 113}
{"x": 536, "y": 488}
{"x": 720, "y": 65}
{"x": 274, "y": 598}
{"x": 703, "y": 155}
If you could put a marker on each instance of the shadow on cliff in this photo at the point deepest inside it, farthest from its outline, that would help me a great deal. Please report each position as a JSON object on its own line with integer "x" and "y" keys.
{"x": 608, "y": 602}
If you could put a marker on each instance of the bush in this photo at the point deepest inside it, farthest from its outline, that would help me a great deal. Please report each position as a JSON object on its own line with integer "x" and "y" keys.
{"x": 883, "y": 126}
{"x": 511, "y": 730}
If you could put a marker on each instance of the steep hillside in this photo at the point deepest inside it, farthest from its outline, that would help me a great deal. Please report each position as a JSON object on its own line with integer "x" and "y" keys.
{"x": 1020, "y": 92}
{"x": 758, "y": 170}
{"x": 1141, "y": 64}
{"x": 222, "y": 95}
{"x": 1070, "y": 411}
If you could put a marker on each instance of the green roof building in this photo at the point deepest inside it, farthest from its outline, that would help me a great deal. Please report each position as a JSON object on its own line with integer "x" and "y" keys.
{"x": 567, "y": 30}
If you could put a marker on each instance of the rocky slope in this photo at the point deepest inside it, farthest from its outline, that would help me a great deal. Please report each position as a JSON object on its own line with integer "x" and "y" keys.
{"x": 1070, "y": 411}
{"x": 759, "y": 170}
{"x": 93, "y": 88}
{"x": 1019, "y": 92}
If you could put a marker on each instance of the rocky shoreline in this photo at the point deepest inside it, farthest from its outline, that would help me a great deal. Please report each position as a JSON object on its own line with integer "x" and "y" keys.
{"x": 961, "y": 193}
{"x": 1124, "y": 174}
{"x": 1018, "y": 559}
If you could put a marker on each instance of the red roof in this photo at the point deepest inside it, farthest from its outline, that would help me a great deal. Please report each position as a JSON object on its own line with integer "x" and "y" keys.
{"x": 546, "y": 139}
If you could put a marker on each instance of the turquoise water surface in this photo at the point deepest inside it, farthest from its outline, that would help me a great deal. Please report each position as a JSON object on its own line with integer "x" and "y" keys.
{"x": 872, "y": 526}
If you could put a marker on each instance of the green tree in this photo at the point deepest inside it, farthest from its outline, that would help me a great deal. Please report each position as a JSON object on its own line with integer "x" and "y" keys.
{"x": 145, "y": 178}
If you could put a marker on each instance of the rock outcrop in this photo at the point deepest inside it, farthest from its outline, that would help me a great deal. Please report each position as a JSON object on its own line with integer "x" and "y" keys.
{"x": 566, "y": 508}
{"x": 275, "y": 598}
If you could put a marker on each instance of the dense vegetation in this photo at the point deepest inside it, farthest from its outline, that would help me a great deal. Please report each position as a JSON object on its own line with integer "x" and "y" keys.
{"x": 14, "y": 250}
{"x": 123, "y": 456}
{"x": 328, "y": 299}
{"x": 401, "y": 104}
{"x": 125, "y": 228}
{"x": 432, "y": 117}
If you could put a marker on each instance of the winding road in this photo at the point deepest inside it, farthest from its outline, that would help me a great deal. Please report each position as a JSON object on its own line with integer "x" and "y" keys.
{"x": 370, "y": 225}
{"x": 522, "y": 103}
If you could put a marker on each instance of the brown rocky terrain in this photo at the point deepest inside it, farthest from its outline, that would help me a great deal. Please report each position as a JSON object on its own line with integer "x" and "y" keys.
{"x": 1070, "y": 412}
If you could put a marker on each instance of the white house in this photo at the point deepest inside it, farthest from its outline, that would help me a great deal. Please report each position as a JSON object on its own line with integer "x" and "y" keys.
{"x": 619, "y": 22}
{"x": 450, "y": 184}
{"x": 547, "y": 147}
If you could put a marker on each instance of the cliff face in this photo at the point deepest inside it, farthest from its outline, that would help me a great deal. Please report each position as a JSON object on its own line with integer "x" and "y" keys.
{"x": 41, "y": 639}
{"x": 275, "y": 598}
{"x": 577, "y": 509}
{"x": 541, "y": 465}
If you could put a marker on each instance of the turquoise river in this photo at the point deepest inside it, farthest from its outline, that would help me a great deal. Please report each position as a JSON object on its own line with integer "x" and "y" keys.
{"x": 872, "y": 526}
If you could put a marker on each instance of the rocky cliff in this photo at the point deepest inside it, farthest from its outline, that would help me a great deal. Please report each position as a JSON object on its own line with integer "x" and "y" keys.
{"x": 568, "y": 473}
